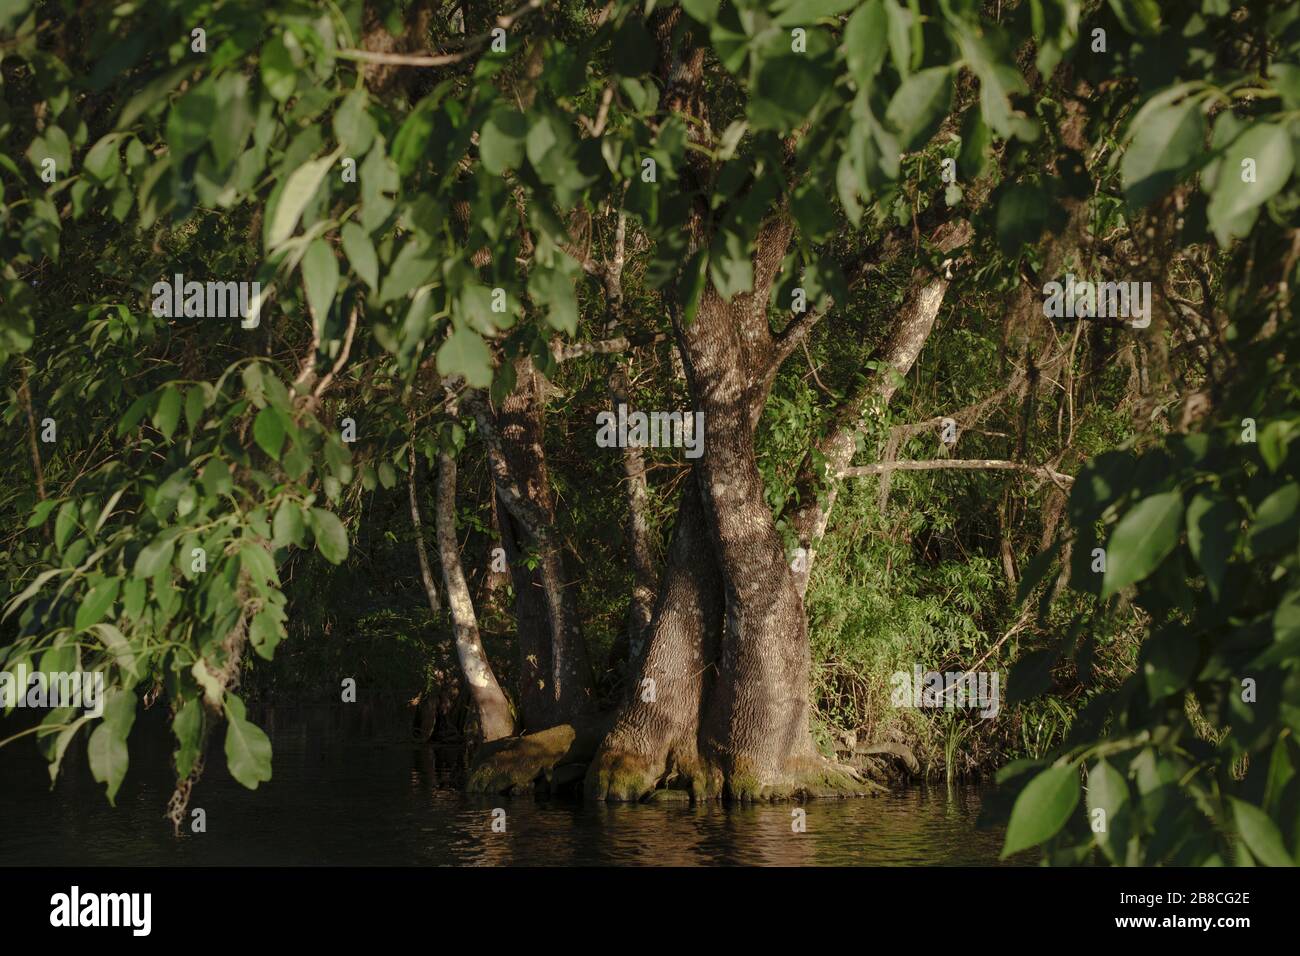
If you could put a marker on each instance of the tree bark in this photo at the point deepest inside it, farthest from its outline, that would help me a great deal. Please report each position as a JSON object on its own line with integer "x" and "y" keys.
{"x": 489, "y": 700}
{"x": 523, "y": 485}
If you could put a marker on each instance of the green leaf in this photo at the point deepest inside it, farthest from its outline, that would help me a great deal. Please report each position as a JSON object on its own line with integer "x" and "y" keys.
{"x": 1213, "y": 524}
{"x": 248, "y": 749}
{"x": 65, "y": 524}
{"x": 298, "y": 191}
{"x": 207, "y": 680}
{"x": 320, "y": 274}
{"x": 186, "y": 727}
{"x": 168, "y": 412}
{"x": 899, "y": 35}
{"x": 1042, "y": 808}
{"x": 279, "y": 75}
{"x": 1260, "y": 834}
{"x": 1141, "y": 540}
{"x": 331, "y": 537}
{"x": 154, "y": 556}
{"x": 287, "y": 528}
{"x": 1168, "y": 140}
{"x": 919, "y": 106}
{"x": 99, "y": 599}
{"x": 354, "y": 127}
{"x": 1108, "y": 792}
{"x": 1275, "y": 524}
{"x": 465, "y": 354}
{"x": 1235, "y": 203}
{"x": 268, "y": 432}
{"x": 501, "y": 140}
{"x": 107, "y": 748}
{"x": 865, "y": 42}
{"x": 1139, "y": 17}
{"x": 976, "y": 137}
{"x": 361, "y": 254}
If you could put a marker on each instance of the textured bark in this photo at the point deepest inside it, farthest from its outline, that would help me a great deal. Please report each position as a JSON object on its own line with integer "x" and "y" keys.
{"x": 641, "y": 607}
{"x": 528, "y": 498}
{"x": 756, "y": 732}
{"x": 491, "y": 704}
{"x": 655, "y": 735}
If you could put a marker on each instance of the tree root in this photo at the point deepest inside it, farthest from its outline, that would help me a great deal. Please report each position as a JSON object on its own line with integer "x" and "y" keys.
{"x": 548, "y": 756}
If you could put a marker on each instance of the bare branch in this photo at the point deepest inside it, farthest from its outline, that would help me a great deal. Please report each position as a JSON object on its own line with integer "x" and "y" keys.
{"x": 967, "y": 464}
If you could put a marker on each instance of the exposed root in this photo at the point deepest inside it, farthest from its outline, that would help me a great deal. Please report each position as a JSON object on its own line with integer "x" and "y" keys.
{"x": 550, "y": 756}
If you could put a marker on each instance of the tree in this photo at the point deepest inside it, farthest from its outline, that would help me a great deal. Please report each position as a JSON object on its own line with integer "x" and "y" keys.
{"x": 327, "y": 241}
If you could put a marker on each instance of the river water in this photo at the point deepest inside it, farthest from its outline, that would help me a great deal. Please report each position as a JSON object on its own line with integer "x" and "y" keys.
{"x": 368, "y": 799}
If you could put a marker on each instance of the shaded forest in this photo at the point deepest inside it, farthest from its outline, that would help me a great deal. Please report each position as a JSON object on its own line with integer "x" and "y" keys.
{"x": 965, "y": 329}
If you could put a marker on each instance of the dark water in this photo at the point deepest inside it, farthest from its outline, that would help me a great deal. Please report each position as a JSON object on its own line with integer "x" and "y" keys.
{"x": 343, "y": 797}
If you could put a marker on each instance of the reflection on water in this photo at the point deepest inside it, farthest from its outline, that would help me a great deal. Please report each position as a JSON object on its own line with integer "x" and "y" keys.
{"x": 338, "y": 798}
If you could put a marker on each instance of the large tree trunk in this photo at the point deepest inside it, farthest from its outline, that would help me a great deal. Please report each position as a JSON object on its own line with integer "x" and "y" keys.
{"x": 655, "y": 735}
{"x": 490, "y": 702}
{"x": 756, "y": 733}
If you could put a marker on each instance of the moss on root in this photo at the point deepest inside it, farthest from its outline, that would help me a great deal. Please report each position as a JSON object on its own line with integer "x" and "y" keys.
{"x": 516, "y": 763}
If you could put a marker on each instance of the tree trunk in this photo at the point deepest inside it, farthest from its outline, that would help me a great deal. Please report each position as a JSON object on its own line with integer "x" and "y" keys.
{"x": 655, "y": 735}
{"x": 493, "y": 709}
{"x": 524, "y": 487}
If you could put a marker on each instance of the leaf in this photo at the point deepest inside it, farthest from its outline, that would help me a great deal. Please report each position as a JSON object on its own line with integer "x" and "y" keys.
{"x": 279, "y": 75}
{"x": 331, "y": 536}
{"x": 1139, "y": 17}
{"x": 361, "y": 254}
{"x": 919, "y": 106}
{"x": 298, "y": 191}
{"x": 168, "y": 412}
{"x": 268, "y": 432}
{"x": 1042, "y": 808}
{"x": 1235, "y": 203}
{"x": 320, "y": 274}
{"x": 287, "y": 528}
{"x": 1108, "y": 792}
{"x": 976, "y": 137}
{"x": 1260, "y": 834}
{"x": 186, "y": 727}
{"x": 501, "y": 141}
{"x": 1213, "y": 524}
{"x": 212, "y": 689}
{"x": 108, "y": 758}
{"x": 899, "y": 35}
{"x": 248, "y": 749}
{"x": 354, "y": 127}
{"x": 107, "y": 748}
{"x": 1141, "y": 540}
{"x": 1167, "y": 141}
{"x": 1275, "y": 524}
{"x": 465, "y": 354}
{"x": 157, "y": 554}
{"x": 65, "y": 524}
{"x": 97, "y": 602}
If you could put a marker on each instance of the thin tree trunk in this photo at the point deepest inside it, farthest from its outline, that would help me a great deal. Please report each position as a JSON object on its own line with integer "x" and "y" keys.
{"x": 489, "y": 700}
{"x": 914, "y": 325}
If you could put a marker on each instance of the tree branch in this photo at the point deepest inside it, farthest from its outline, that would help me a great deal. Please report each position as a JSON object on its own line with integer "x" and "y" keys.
{"x": 967, "y": 464}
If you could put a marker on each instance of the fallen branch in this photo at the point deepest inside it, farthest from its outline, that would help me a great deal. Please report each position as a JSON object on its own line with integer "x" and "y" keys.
{"x": 968, "y": 464}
